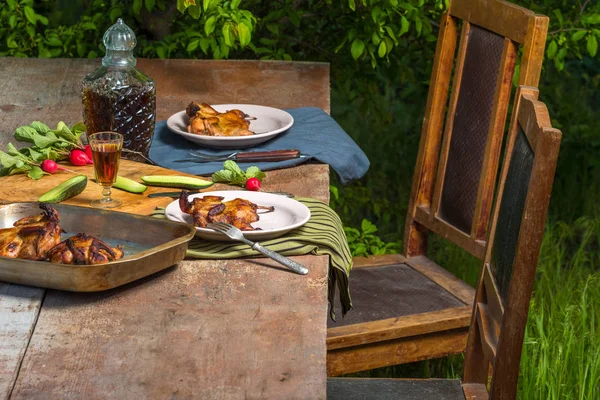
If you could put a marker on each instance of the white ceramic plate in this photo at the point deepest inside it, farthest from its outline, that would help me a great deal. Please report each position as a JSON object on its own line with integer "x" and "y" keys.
{"x": 288, "y": 214}
{"x": 269, "y": 123}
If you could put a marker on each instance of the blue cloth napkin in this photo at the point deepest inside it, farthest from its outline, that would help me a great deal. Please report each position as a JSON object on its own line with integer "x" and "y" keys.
{"x": 314, "y": 133}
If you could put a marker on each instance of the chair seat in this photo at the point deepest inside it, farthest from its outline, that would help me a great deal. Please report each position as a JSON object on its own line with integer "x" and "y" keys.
{"x": 393, "y": 389}
{"x": 392, "y": 291}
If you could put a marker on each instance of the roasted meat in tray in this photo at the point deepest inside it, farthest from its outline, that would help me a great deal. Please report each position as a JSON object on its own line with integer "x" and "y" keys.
{"x": 237, "y": 212}
{"x": 32, "y": 237}
{"x": 84, "y": 249}
{"x": 107, "y": 248}
{"x": 38, "y": 238}
{"x": 205, "y": 120}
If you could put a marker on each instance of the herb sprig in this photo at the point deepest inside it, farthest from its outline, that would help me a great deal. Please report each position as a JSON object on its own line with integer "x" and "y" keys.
{"x": 52, "y": 144}
{"x": 234, "y": 175}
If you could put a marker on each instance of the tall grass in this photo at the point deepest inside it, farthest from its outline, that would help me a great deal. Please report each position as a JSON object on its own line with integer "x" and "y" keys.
{"x": 561, "y": 351}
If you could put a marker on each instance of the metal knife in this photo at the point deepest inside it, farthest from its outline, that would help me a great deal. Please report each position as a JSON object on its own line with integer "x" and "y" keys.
{"x": 248, "y": 156}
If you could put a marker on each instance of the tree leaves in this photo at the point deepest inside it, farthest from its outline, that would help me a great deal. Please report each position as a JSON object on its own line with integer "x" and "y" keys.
{"x": 381, "y": 51}
{"x": 209, "y": 25}
{"x": 137, "y": 6}
{"x": 357, "y": 49}
{"x": 149, "y": 4}
{"x": 592, "y": 45}
{"x": 578, "y": 35}
{"x": 404, "y": 26}
{"x": 552, "y": 47}
{"x": 244, "y": 34}
{"x": 30, "y": 15}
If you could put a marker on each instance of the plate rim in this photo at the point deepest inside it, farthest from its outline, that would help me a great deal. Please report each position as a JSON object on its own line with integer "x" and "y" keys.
{"x": 248, "y": 234}
{"x": 216, "y": 139}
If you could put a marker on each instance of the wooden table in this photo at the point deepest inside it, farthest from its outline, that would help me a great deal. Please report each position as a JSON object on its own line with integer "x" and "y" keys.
{"x": 228, "y": 329}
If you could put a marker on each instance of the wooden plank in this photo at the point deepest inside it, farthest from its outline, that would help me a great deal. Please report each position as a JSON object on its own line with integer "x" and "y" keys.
{"x": 19, "y": 308}
{"x": 475, "y": 391}
{"x": 400, "y": 327}
{"x": 520, "y": 94}
{"x": 533, "y": 51}
{"x": 505, "y": 371}
{"x": 492, "y": 296}
{"x": 399, "y": 351}
{"x": 475, "y": 247}
{"x": 377, "y": 261}
{"x": 442, "y": 277}
{"x": 415, "y": 238}
{"x": 458, "y": 74}
{"x": 533, "y": 115}
{"x": 259, "y": 82}
{"x": 226, "y": 329}
{"x": 282, "y": 84}
{"x": 498, "y": 16}
{"x": 393, "y": 389}
{"x": 304, "y": 180}
{"x": 488, "y": 331}
{"x": 50, "y": 90}
{"x": 526, "y": 258}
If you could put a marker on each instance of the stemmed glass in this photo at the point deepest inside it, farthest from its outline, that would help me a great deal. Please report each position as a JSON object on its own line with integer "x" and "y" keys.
{"x": 106, "y": 153}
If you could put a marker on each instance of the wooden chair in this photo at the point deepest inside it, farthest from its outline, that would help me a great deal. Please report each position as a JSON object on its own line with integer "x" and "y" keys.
{"x": 406, "y": 307}
{"x": 502, "y": 301}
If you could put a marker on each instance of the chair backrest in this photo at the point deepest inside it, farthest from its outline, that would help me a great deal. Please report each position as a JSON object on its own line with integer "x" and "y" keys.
{"x": 455, "y": 176}
{"x": 504, "y": 290}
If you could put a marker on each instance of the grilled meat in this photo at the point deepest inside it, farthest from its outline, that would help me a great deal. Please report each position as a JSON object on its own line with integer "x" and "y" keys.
{"x": 237, "y": 212}
{"x": 32, "y": 237}
{"x": 205, "y": 120}
{"x": 201, "y": 208}
{"x": 84, "y": 249}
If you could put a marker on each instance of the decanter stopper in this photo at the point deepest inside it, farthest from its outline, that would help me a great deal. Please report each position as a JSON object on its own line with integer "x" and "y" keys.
{"x": 119, "y": 41}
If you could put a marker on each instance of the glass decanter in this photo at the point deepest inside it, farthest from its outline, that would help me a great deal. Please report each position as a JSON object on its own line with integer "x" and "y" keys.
{"x": 118, "y": 97}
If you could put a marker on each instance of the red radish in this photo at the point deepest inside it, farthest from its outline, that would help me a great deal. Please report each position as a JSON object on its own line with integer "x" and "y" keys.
{"x": 88, "y": 151}
{"x": 78, "y": 157}
{"x": 253, "y": 184}
{"x": 50, "y": 166}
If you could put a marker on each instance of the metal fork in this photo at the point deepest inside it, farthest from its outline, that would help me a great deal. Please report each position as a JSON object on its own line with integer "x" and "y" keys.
{"x": 212, "y": 157}
{"x": 236, "y": 234}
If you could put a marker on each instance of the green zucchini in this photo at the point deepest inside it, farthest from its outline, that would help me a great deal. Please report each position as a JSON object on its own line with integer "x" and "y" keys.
{"x": 129, "y": 186}
{"x": 176, "y": 181}
{"x": 69, "y": 188}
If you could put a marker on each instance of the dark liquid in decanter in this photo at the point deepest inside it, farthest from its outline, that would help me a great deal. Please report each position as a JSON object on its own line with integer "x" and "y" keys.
{"x": 128, "y": 110}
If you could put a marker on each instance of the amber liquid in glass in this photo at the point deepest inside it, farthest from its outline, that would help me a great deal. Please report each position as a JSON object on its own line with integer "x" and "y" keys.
{"x": 106, "y": 157}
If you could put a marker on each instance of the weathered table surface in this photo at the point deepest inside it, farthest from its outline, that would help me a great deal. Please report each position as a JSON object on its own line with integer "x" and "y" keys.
{"x": 202, "y": 329}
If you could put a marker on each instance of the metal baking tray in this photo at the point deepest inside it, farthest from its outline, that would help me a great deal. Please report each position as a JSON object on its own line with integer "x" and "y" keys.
{"x": 150, "y": 245}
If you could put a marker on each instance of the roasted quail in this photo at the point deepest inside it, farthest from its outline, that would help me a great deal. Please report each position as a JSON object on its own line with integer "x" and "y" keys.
{"x": 237, "y": 212}
{"x": 205, "y": 120}
{"x": 32, "y": 237}
{"x": 201, "y": 208}
{"x": 84, "y": 249}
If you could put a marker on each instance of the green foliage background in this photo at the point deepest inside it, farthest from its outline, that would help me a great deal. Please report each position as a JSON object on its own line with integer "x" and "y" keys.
{"x": 381, "y": 53}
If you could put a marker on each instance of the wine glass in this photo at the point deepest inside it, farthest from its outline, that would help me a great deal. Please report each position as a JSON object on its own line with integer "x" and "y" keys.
{"x": 106, "y": 153}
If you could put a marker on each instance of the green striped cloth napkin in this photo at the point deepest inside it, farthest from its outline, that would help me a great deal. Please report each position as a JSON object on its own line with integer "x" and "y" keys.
{"x": 323, "y": 234}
